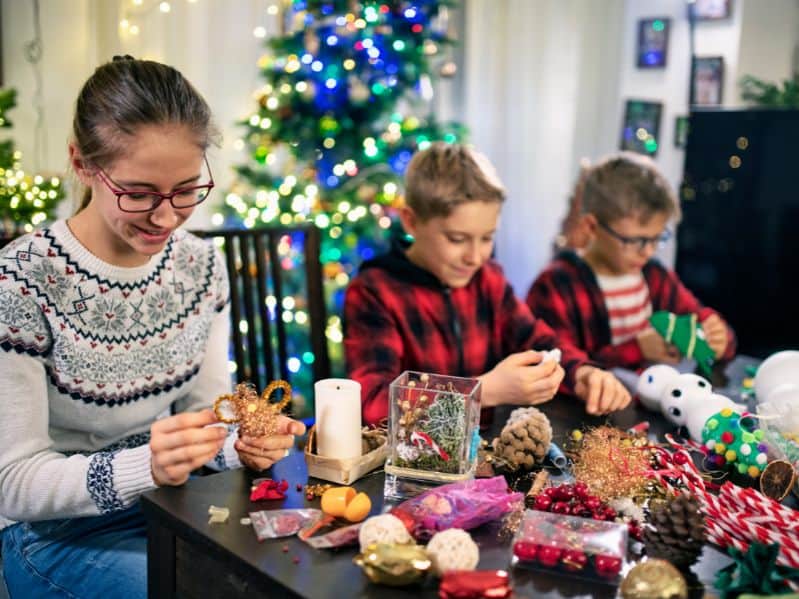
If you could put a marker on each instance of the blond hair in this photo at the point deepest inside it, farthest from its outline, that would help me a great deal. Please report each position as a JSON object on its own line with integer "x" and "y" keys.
{"x": 444, "y": 176}
{"x": 626, "y": 184}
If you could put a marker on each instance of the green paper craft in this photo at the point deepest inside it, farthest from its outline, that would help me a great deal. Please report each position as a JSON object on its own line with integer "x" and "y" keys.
{"x": 756, "y": 572}
{"x": 686, "y": 334}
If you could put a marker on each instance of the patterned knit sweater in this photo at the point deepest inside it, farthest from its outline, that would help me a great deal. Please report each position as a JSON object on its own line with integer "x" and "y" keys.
{"x": 90, "y": 355}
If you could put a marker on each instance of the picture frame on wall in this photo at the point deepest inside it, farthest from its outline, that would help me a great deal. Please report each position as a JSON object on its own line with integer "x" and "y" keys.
{"x": 641, "y": 126}
{"x": 681, "y": 129}
{"x": 707, "y": 80}
{"x": 653, "y": 42}
{"x": 710, "y": 10}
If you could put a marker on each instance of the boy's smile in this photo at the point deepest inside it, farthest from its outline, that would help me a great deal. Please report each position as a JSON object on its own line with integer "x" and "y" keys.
{"x": 454, "y": 247}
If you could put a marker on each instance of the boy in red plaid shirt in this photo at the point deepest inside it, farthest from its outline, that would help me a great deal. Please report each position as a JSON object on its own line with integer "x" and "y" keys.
{"x": 599, "y": 297}
{"x": 441, "y": 305}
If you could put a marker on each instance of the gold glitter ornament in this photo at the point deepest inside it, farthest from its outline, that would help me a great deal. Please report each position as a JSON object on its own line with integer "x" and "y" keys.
{"x": 256, "y": 416}
{"x": 393, "y": 564}
{"x": 654, "y": 579}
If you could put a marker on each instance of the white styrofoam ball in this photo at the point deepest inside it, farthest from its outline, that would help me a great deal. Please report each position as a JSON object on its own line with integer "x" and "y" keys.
{"x": 651, "y": 383}
{"x": 680, "y": 395}
{"x": 777, "y": 374}
{"x": 453, "y": 549}
{"x": 384, "y": 528}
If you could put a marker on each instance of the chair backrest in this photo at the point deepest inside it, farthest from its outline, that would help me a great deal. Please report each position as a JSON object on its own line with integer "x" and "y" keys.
{"x": 258, "y": 286}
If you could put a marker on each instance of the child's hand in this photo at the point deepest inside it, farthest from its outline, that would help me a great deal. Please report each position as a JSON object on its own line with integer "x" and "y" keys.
{"x": 655, "y": 349}
{"x": 260, "y": 453}
{"x": 602, "y": 392}
{"x": 182, "y": 443}
{"x": 716, "y": 334}
{"x": 522, "y": 379}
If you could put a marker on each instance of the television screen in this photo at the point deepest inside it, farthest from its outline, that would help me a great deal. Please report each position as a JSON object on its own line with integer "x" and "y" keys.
{"x": 738, "y": 243}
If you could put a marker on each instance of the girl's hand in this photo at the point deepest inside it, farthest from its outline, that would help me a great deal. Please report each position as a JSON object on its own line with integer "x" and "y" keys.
{"x": 260, "y": 453}
{"x": 182, "y": 443}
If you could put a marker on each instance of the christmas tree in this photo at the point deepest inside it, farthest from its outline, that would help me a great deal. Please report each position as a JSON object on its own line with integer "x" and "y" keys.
{"x": 25, "y": 200}
{"x": 345, "y": 104}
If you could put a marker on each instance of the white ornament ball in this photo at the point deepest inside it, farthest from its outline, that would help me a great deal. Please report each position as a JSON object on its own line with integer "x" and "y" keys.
{"x": 453, "y": 549}
{"x": 384, "y": 528}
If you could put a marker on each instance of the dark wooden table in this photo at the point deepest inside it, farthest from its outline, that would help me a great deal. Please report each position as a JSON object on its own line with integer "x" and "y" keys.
{"x": 190, "y": 558}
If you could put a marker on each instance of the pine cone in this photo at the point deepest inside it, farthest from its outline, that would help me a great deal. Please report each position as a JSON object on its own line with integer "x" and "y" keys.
{"x": 676, "y": 531}
{"x": 525, "y": 438}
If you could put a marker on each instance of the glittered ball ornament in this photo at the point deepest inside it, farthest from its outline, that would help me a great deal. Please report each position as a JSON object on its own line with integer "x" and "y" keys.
{"x": 654, "y": 579}
{"x": 385, "y": 528}
{"x": 453, "y": 549}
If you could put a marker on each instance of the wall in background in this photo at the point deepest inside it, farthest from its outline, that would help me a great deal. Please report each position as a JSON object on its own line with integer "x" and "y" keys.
{"x": 541, "y": 86}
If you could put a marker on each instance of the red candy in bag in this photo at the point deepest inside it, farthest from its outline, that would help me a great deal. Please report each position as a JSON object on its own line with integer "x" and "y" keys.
{"x": 465, "y": 505}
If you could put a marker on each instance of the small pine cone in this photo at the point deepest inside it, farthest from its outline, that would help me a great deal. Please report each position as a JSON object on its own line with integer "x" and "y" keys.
{"x": 525, "y": 439}
{"x": 676, "y": 531}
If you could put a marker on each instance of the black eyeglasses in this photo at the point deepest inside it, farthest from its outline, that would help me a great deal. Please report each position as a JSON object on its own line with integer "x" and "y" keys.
{"x": 638, "y": 243}
{"x": 146, "y": 200}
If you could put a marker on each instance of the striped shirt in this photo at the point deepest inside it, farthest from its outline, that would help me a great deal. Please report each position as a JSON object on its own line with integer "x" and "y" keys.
{"x": 628, "y": 304}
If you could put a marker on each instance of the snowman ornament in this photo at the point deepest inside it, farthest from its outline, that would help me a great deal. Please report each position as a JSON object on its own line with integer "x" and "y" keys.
{"x": 728, "y": 435}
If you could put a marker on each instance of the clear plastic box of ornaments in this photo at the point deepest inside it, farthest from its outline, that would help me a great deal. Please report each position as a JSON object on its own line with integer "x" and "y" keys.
{"x": 594, "y": 550}
{"x": 433, "y": 432}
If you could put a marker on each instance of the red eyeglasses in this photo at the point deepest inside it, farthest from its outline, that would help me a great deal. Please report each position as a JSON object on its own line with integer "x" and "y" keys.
{"x": 146, "y": 200}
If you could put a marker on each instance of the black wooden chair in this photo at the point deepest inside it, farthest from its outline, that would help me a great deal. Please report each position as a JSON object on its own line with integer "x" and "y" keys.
{"x": 255, "y": 272}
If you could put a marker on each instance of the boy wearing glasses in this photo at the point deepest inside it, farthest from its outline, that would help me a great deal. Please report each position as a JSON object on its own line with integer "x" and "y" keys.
{"x": 600, "y": 297}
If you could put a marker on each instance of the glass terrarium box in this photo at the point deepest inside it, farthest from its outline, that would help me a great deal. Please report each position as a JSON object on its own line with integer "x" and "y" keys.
{"x": 433, "y": 432}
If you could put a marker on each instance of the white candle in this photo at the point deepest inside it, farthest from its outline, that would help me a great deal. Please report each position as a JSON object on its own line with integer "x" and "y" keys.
{"x": 338, "y": 418}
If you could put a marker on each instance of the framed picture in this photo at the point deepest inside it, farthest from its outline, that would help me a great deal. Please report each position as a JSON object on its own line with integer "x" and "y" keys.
{"x": 707, "y": 79}
{"x": 641, "y": 127}
{"x": 710, "y": 10}
{"x": 653, "y": 43}
{"x": 681, "y": 125}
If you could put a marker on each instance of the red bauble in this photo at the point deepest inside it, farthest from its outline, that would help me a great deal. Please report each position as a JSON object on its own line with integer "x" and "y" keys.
{"x": 592, "y": 503}
{"x": 581, "y": 489}
{"x": 565, "y": 492}
{"x": 680, "y": 459}
{"x": 560, "y": 507}
{"x": 551, "y": 492}
{"x": 607, "y": 566}
{"x": 525, "y": 550}
{"x": 549, "y": 556}
{"x": 542, "y": 502}
{"x": 574, "y": 560}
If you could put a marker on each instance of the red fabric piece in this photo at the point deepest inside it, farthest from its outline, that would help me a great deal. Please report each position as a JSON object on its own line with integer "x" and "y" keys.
{"x": 269, "y": 489}
{"x": 474, "y": 584}
{"x": 567, "y": 296}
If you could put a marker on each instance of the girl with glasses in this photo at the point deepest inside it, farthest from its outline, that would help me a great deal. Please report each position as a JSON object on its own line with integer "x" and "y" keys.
{"x": 114, "y": 331}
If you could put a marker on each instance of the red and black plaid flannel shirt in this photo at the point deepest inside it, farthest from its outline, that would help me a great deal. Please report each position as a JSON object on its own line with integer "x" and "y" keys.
{"x": 567, "y": 296}
{"x": 398, "y": 316}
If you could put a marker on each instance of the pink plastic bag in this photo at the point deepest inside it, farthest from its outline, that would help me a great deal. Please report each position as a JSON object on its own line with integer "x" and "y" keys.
{"x": 465, "y": 505}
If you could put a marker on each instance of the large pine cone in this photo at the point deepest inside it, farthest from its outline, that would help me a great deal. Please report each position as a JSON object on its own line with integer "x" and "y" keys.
{"x": 525, "y": 438}
{"x": 676, "y": 531}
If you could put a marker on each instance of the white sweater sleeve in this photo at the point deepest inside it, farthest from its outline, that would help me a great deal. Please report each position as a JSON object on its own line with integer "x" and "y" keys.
{"x": 37, "y": 483}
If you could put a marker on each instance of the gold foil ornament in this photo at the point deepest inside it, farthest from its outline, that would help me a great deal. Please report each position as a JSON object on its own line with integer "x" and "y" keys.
{"x": 654, "y": 579}
{"x": 393, "y": 564}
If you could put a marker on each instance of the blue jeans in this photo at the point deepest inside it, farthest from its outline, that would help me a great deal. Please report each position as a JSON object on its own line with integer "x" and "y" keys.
{"x": 100, "y": 556}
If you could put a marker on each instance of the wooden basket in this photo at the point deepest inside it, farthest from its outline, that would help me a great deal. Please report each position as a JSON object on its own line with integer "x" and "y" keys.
{"x": 339, "y": 470}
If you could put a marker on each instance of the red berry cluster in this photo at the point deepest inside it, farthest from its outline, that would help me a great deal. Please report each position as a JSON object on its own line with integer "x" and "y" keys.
{"x": 575, "y": 500}
{"x": 571, "y": 560}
